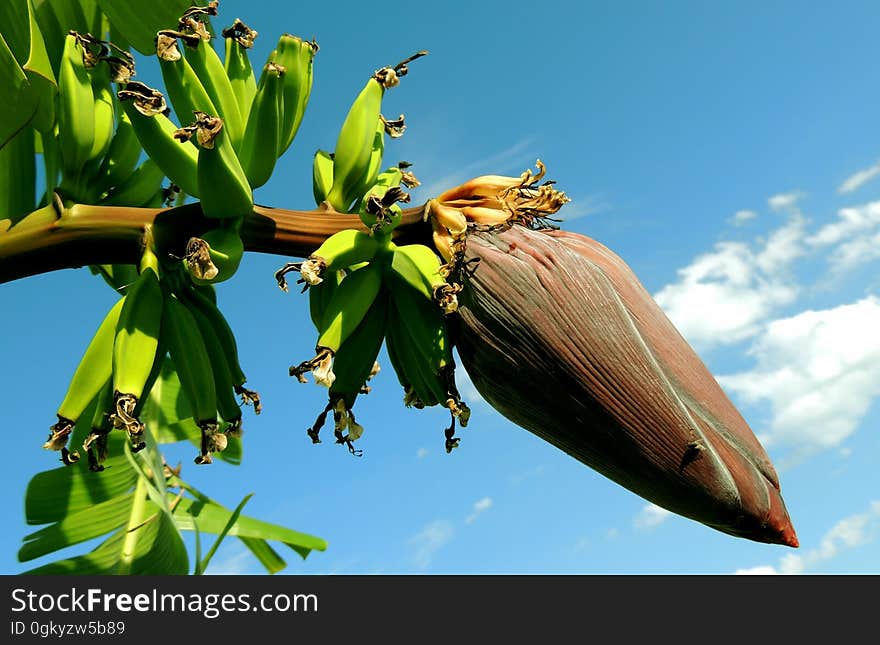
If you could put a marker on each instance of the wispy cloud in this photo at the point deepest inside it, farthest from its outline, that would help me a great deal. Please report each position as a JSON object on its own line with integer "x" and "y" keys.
{"x": 850, "y": 532}
{"x": 785, "y": 201}
{"x": 512, "y": 160}
{"x": 762, "y": 570}
{"x": 480, "y": 507}
{"x": 854, "y": 237}
{"x": 859, "y": 179}
{"x": 421, "y": 453}
{"x": 427, "y": 542}
{"x": 724, "y": 296}
{"x": 819, "y": 371}
{"x": 741, "y": 217}
{"x": 651, "y": 516}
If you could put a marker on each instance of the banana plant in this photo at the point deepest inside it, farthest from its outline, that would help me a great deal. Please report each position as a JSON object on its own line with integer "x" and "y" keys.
{"x": 164, "y": 365}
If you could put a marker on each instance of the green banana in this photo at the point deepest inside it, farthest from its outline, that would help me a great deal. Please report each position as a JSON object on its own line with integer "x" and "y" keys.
{"x": 239, "y": 38}
{"x": 375, "y": 164}
{"x": 349, "y": 304}
{"x": 227, "y": 404}
{"x": 223, "y": 185}
{"x": 103, "y": 111}
{"x": 196, "y": 299}
{"x": 122, "y": 155}
{"x": 420, "y": 384}
{"x": 421, "y": 354}
{"x": 354, "y": 146}
{"x": 215, "y": 256}
{"x": 296, "y": 56}
{"x": 320, "y": 295}
{"x": 139, "y": 189}
{"x": 136, "y": 346}
{"x": 259, "y": 147}
{"x": 185, "y": 89}
{"x": 419, "y": 267}
{"x": 193, "y": 363}
{"x": 177, "y": 157}
{"x": 209, "y": 69}
{"x": 423, "y": 350}
{"x": 418, "y": 355}
{"x": 94, "y": 370}
{"x": 76, "y": 121}
{"x": 355, "y": 362}
{"x": 346, "y": 308}
{"x": 322, "y": 175}
{"x": 339, "y": 251}
{"x": 95, "y": 444}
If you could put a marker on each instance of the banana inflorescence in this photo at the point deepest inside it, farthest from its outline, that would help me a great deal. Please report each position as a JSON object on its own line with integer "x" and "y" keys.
{"x": 363, "y": 290}
{"x": 161, "y": 315}
{"x": 227, "y": 130}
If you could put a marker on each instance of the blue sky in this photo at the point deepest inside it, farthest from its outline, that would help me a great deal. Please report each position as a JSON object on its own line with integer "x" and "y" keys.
{"x": 729, "y": 153}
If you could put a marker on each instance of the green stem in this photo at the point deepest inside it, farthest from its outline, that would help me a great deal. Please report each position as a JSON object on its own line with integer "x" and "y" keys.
{"x": 82, "y": 235}
{"x": 135, "y": 520}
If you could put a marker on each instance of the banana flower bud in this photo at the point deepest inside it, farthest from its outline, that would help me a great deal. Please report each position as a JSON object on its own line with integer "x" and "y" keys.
{"x": 558, "y": 335}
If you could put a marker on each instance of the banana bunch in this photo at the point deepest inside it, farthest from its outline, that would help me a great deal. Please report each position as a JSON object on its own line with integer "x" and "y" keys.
{"x": 95, "y": 148}
{"x": 363, "y": 290}
{"x": 231, "y": 127}
{"x": 161, "y": 313}
{"x": 340, "y": 179}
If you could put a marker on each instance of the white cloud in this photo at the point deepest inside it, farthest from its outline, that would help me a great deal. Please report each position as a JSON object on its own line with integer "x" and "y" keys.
{"x": 848, "y": 533}
{"x": 854, "y": 236}
{"x": 741, "y": 217}
{"x": 764, "y": 570}
{"x": 851, "y": 222}
{"x": 651, "y": 516}
{"x": 428, "y": 541}
{"x": 421, "y": 453}
{"x": 724, "y": 296}
{"x": 859, "y": 179}
{"x": 480, "y": 507}
{"x": 819, "y": 371}
{"x": 785, "y": 201}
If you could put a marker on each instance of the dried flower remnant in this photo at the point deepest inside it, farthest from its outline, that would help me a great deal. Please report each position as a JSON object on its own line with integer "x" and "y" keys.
{"x": 241, "y": 33}
{"x": 488, "y": 203}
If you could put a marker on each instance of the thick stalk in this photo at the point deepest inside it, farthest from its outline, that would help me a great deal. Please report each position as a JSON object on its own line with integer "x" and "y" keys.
{"x": 84, "y": 235}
